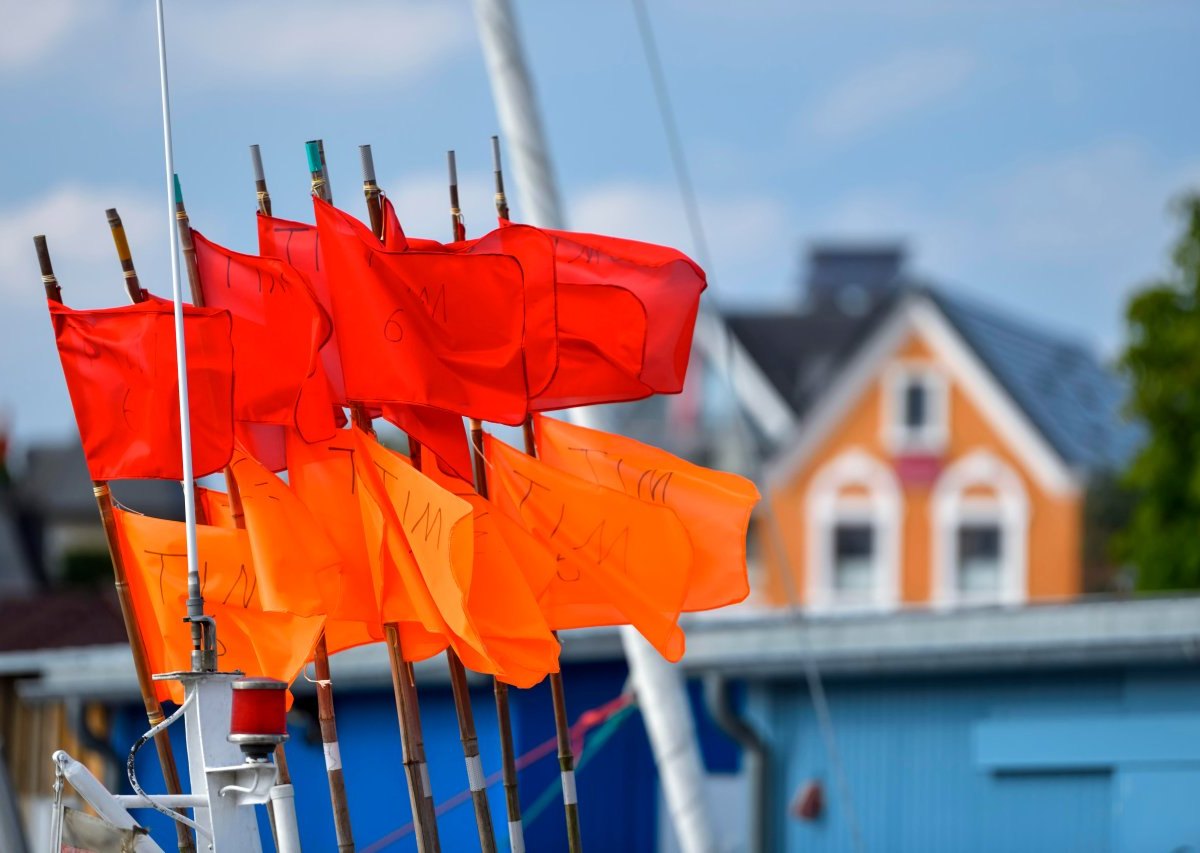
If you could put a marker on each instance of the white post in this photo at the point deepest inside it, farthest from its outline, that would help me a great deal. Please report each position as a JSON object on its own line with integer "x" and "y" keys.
{"x": 520, "y": 122}
{"x": 283, "y": 806}
{"x": 233, "y": 826}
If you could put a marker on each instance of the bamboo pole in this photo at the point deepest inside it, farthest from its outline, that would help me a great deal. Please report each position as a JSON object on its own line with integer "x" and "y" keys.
{"x": 508, "y": 755}
{"x": 132, "y": 286}
{"x": 458, "y": 674}
{"x": 260, "y": 181}
{"x": 508, "y": 760}
{"x": 104, "y": 503}
{"x": 404, "y": 686}
{"x": 562, "y": 726}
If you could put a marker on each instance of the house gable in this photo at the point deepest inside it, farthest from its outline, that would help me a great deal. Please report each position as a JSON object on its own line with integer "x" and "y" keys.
{"x": 917, "y": 315}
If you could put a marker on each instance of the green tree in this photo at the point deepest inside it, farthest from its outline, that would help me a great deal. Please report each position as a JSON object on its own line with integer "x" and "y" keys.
{"x": 1162, "y": 540}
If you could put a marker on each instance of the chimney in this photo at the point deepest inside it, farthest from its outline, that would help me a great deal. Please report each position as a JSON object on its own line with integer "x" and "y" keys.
{"x": 854, "y": 277}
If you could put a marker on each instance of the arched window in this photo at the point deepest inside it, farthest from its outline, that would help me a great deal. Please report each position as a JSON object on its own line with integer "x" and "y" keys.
{"x": 980, "y": 533}
{"x": 854, "y": 510}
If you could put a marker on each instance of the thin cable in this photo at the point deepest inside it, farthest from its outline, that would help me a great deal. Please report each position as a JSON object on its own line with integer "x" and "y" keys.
{"x": 130, "y": 768}
{"x": 195, "y": 600}
{"x": 674, "y": 143}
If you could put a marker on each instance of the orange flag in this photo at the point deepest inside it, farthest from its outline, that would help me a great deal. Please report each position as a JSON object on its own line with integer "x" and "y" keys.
{"x": 619, "y": 560}
{"x": 713, "y": 506}
{"x": 325, "y": 476}
{"x": 510, "y": 573}
{"x": 249, "y": 639}
{"x": 420, "y": 546}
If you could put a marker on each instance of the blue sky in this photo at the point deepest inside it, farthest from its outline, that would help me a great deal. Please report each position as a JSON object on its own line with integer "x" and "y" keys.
{"x": 1025, "y": 151}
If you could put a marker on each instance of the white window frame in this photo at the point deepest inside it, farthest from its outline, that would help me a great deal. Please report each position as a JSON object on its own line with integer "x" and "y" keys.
{"x": 826, "y": 507}
{"x": 1007, "y": 508}
{"x": 897, "y": 437}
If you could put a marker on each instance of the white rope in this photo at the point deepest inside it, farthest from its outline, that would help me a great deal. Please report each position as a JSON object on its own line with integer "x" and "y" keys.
{"x": 195, "y": 602}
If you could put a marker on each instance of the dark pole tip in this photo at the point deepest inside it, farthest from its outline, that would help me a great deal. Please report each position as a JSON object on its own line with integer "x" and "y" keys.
{"x": 114, "y": 218}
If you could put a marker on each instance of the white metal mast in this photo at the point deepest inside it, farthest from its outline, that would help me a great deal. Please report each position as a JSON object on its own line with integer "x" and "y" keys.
{"x": 662, "y": 697}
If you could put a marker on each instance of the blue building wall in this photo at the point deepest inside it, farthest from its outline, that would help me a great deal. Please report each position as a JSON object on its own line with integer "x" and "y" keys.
{"x": 617, "y": 788}
{"x": 1054, "y": 761}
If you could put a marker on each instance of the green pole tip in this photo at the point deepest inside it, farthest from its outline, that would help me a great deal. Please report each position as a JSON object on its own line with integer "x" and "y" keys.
{"x": 178, "y": 190}
{"x": 314, "y": 155}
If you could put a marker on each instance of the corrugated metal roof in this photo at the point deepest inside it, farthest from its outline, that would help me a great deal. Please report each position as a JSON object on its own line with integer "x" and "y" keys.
{"x": 1074, "y": 400}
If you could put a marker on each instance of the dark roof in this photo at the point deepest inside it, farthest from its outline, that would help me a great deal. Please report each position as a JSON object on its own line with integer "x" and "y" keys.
{"x": 800, "y": 351}
{"x": 55, "y": 485}
{"x": 1074, "y": 400}
{"x": 60, "y": 620}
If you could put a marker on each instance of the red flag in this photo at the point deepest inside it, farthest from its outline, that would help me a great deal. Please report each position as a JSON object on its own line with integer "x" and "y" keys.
{"x": 278, "y": 331}
{"x": 626, "y": 312}
{"x": 120, "y": 369}
{"x": 438, "y": 430}
{"x": 296, "y": 244}
{"x": 425, "y": 328}
{"x": 534, "y": 251}
{"x": 622, "y": 311}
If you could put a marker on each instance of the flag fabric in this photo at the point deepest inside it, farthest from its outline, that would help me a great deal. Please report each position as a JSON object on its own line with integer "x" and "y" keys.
{"x": 214, "y": 508}
{"x": 420, "y": 545}
{"x": 323, "y": 476}
{"x": 249, "y": 639}
{"x": 622, "y": 311}
{"x": 626, "y": 313}
{"x": 299, "y": 567}
{"x": 427, "y": 328}
{"x": 296, "y": 244}
{"x": 533, "y": 249}
{"x": 120, "y": 369}
{"x": 713, "y": 506}
{"x": 618, "y": 559}
{"x": 279, "y": 328}
{"x": 511, "y": 572}
{"x": 439, "y": 431}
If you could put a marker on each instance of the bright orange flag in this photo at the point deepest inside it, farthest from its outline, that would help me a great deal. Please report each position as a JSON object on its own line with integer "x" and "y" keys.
{"x": 325, "y": 477}
{"x": 510, "y": 573}
{"x": 713, "y": 506}
{"x": 420, "y": 545}
{"x": 619, "y": 560}
{"x": 249, "y": 639}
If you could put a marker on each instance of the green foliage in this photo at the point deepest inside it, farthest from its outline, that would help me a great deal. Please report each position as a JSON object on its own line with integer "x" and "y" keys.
{"x": 1162, "y": 359}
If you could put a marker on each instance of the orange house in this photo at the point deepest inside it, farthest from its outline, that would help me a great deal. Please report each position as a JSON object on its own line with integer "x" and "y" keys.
{"x": 937, "y": 456}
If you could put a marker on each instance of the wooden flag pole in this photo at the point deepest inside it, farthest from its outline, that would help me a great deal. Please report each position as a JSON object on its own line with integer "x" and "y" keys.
{"x": 508, "y": 759}
{"x": 104, "y": 503}
{"x": 326, "y": 717}
{"x": 404, "y": 686}
{"x": 562, "y": 726}
{"x": 260, "y": 181}
{"x": 458, "y": 673}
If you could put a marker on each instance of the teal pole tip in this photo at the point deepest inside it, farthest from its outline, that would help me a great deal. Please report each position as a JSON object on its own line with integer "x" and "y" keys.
{"x": 178, "y": 190}
{"x": 314, "y": 155}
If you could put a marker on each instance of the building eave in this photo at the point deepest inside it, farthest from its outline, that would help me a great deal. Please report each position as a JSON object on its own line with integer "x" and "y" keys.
{"x": 1084, "y": 633}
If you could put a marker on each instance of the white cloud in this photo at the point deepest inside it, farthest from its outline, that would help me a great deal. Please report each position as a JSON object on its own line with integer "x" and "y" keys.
{"x": 739, "y": 228}
{"x": 883, "y": 93}
{"x": 81, "y": 248}
{"x": 316, "y": 44}
{"x": 30, "y": 29}
{"x": 422, "y": 202}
